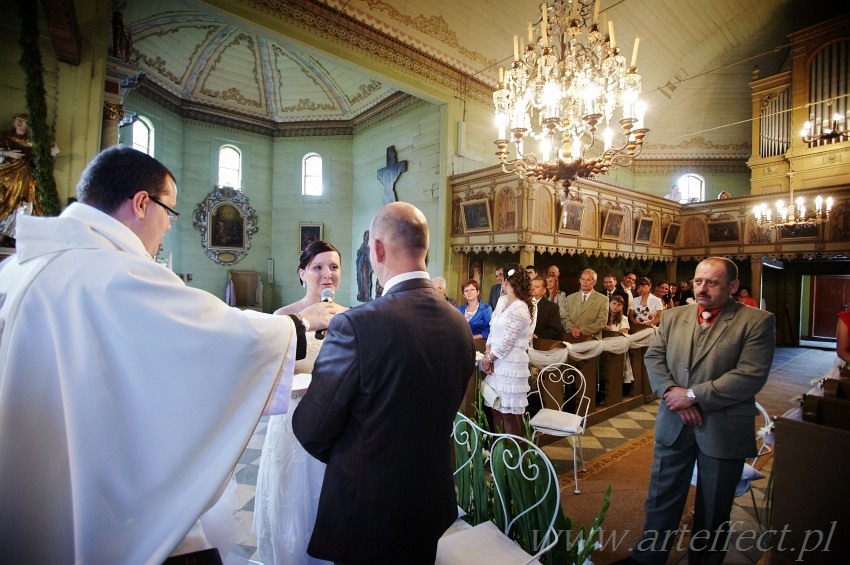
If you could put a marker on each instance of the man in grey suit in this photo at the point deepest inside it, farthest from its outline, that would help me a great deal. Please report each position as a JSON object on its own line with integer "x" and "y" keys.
{"x": 587, "y": 310}
{"x": 707, "y": 362}
{"x": 386, "y": 386}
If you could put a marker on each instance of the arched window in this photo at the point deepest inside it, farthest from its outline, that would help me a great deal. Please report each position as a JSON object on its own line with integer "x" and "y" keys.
{"x": 143, "y": 135}
{"x": 230, "y": 167}
{"x": 311, "y": 175}
{"x": 692, "y": 188}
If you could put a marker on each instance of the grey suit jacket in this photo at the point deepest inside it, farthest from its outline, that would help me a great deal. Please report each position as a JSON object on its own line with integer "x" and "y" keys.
{"x": 725, "y": 372}
{"x": 590, "y": 317}
{"x": 379, "y": 412}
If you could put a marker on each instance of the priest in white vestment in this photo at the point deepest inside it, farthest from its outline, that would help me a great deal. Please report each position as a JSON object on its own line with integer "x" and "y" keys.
{"x": 126, "y": 397}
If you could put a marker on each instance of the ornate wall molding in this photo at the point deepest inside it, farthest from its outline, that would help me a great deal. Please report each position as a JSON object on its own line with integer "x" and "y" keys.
{"x": 719, "y": 166}
{"x": 339, "y": 28}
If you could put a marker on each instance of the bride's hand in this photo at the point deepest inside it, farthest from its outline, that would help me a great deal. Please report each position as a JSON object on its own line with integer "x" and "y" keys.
{"x": 319, "y": 315}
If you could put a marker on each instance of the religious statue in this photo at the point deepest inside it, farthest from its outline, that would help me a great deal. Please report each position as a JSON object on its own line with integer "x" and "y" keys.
{"x": 364, "y": 271}
{"x": 389, "y": 175}
{"x": 17, "y": 169}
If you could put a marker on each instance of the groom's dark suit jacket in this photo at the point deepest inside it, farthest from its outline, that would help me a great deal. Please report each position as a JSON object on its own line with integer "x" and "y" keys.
{"x": 386, "y": 386}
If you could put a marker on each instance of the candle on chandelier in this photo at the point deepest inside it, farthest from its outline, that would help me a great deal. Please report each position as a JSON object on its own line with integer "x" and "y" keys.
{"x": 544, "y": 25}
{"x": 516, "y": 48}
{"x": 501, "y": 76}
{"x": 611, "y": 33}
{"x": 635, "y": 51}
{"x": 829, "y": 202}
{"x": 596, "y": 12}
{"x": 530, "y": 33}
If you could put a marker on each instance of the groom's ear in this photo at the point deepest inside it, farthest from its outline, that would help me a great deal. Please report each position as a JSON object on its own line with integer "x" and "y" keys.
{"x": 380, "y": 251}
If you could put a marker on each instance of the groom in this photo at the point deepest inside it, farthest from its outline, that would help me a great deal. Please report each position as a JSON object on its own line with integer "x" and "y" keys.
{"x": 388, "y": 381}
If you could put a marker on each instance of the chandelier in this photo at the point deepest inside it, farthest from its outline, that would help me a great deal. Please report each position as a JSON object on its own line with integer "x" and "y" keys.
{"x": 824, "y": 131}
{"x": 563, "y": 93}
{"x": 792, "y": 217}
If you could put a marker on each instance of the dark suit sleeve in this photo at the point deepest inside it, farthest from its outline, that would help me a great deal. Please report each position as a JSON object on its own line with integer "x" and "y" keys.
{"x": 323, "y": 414}
{"x": 750, "y": 373}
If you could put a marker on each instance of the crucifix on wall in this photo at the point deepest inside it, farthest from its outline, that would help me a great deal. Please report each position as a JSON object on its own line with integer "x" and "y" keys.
{"x": 389, "y": 175}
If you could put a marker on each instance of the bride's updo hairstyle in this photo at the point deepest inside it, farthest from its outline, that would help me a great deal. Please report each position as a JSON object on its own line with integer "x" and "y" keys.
{"x": 516, "y": 275}
{"x": 310, "y": 252}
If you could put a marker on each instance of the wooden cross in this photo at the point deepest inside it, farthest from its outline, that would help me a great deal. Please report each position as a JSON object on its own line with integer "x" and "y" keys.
{"x": 389, "y": 175}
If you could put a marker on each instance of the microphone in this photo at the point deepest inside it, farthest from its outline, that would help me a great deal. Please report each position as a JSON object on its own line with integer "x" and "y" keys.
{"x": 327, "y": 296}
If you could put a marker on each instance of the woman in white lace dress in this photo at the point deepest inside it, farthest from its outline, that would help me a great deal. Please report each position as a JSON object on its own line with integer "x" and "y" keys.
{"x": 506, "y": 357}
{"x": 289, "y": 480}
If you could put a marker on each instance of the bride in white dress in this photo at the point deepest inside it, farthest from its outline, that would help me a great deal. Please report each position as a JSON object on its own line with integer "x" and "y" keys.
{"x": 289, "y": 480}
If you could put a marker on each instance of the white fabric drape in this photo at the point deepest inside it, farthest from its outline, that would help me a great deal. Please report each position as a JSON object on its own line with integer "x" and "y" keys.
{"x": 593, "y": 348}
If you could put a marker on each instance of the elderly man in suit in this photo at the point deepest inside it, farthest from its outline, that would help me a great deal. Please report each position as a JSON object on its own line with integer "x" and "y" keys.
{"x": 707, "y": 362}
{"x": 381, "y": 405}
{"x": 547, "y": 318}
{"x": 587, "y": 310}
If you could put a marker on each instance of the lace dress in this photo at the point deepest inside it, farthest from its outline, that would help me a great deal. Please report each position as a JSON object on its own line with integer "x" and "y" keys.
{"x": 289, "y": 482}
{"x": 510, "y": 335}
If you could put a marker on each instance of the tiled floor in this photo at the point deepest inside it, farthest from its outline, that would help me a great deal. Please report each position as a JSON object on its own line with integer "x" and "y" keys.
{"x": 597, "y": 440}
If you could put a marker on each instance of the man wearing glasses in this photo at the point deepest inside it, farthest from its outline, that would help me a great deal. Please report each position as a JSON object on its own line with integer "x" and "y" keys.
{"x": 126, "y": 397}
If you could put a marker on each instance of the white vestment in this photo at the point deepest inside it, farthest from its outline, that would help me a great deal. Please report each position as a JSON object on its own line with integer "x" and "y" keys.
{"x": 126, "y": 397}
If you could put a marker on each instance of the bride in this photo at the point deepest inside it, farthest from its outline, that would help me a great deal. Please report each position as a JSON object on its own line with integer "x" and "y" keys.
{"x": 289, "y": 480}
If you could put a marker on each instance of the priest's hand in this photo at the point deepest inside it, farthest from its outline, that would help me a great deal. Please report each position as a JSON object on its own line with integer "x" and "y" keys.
{"x": 12, "y": 154}
{"x": 319, "y": 315}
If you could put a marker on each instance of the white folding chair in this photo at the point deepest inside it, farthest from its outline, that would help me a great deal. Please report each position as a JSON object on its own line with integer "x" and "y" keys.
{"x": 558, "y": 422}
{"x": 764, "y": 439}
{"x": 511, "y": 465}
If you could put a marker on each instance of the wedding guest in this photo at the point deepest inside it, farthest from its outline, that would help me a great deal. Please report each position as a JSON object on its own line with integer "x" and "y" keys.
{"x": 386, "y": 387}
{"x": 496, "y": 289}
{"x": 646, "y": 308}
{"x": 609, "y": 283}
{"x": 662, "y": 291}
{"x": 477, "y": 313}
{"x": 506, "y": 356}
{"x": 547, "y": 320}
{"x": 617, "y": 321}
{"x": 628, "y": 286}
{"x": 17, "y": 168}
{"x": 587, "y": 309}
{"x": 289, "y": 480}
{"x": 127, "y": 396}
{"x": 683, "y": 295}
{"x": 707, "y": 363}
{"x": 440, "y": 287}
{"x": 745, "y": 298}
{"x": 532, "y": 271}
{"x": 554, "y": 294}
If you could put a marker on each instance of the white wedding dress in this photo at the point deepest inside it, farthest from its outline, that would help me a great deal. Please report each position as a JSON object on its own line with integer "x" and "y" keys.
{"x": 289, "y": 483}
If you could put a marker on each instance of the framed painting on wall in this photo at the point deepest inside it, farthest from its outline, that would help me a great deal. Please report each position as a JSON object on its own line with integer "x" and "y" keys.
{"x": 671, "y": 236}
{"x": 800, "y": 231}
{"x": 571, "y": 217}
{"x": 613, "y": 226}
{"x": 644, "y": 230}
{"x": 226, "y": 221}
{"x": 476, "y": 216}
{"x": 475, "y": 269}
{"x": 724, "y": 231}
{"x": 309, "y": 233}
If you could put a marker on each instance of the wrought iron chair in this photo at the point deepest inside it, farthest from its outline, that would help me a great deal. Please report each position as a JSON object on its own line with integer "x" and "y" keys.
{"x": 562, "y": 380}
{"x": 507, "y": 487}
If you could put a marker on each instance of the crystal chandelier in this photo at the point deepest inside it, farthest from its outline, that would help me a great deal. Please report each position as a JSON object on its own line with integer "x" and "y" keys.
{"x": 792, "y": 217}
{"x": 824, "y": 132}
{"x": 563, "y": 92}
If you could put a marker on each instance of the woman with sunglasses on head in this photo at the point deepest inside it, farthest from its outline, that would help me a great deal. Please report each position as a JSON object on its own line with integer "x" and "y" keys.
{"x": 289, "y": 480}
{"x": 506, "y": 357}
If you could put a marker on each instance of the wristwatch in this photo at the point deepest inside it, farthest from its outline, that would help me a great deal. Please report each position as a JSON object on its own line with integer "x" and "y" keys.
{"x": 691, "y": 396}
